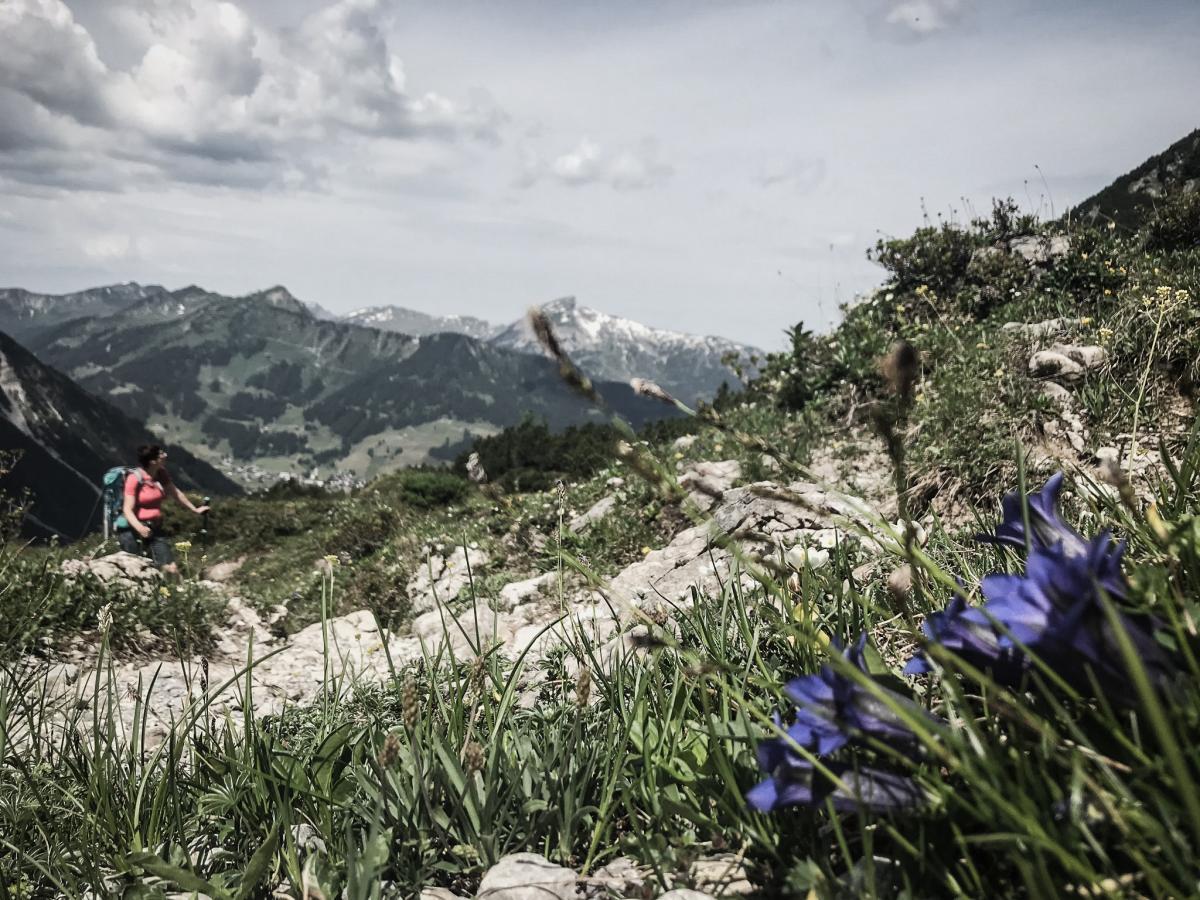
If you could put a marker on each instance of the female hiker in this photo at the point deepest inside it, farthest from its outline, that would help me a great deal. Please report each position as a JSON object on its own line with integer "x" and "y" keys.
{"x": 144, "y": 491}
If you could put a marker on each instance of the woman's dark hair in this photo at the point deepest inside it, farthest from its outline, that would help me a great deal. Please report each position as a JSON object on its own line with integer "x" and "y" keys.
{"x": 148, "y": 453}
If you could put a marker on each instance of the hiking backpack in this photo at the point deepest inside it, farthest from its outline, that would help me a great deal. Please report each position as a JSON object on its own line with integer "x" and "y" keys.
{"x": 114, "y": 497}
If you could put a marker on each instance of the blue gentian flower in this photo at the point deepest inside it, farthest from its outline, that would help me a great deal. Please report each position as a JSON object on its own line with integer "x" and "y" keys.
{"x": 794, "y": 781}
{"x": 1045, "y": 523}
{"x": 1054, "y": 609}
{"x": 834, "y": 712}
{"x": 832, "y": 709}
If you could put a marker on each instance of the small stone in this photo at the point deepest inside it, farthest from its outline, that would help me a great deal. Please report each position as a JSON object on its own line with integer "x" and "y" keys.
{"x": 1089, "y": 357}
{"x": 528, "y": 876}
{"x": 683, "y": 443}
{"x": 439, "y": 893}
{"x": 723, "y": 874}
{"x": 685, "y": 894}
{"x": 1057, "y": 395}
{"x": 1052, "y": 364}
{"x": 598, "y": 511}
{"x": 620, "y": 877}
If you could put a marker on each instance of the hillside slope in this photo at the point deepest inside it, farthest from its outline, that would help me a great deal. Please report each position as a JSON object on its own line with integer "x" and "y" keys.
{"x": 1130, "y": 200}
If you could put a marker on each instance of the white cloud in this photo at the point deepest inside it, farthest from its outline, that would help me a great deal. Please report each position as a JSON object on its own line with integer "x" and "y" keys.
{"x": 110, "y": 247}
{"x": 924, "y": 17}
{"x": 214, "y": 97}
{"x": 579, "y": 166}
{"x": 633, "y": 168}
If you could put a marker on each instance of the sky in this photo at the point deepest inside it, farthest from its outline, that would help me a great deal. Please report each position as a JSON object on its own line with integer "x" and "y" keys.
{"x": 713, "y": 167}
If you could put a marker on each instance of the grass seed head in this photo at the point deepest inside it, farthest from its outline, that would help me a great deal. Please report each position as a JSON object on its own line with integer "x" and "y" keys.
{"x": 410, "y": 706}
{"x": 899, "y": 369}
{"x": 389, "y": 753}
{"x": 646, "y": 388}
{"x": 105, "y": 619}
{"x": 583, "y": 687}
{"x": 472, "y": 757}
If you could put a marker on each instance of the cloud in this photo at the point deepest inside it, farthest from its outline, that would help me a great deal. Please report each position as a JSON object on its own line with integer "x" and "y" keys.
{"x": 213, "y": 97}
{"x": 801, "y": 174}
{"x": 915, "y": 19}
{"x": 634, "y": 168}
{"x": 110, "y": 247}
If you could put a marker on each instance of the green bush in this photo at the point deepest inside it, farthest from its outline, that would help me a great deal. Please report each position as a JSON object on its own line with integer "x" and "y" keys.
{"x": 1175, "y": 224}
{"x": 432, "y": 489}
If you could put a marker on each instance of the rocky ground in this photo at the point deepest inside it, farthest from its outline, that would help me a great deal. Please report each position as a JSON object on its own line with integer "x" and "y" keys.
{"x": 784, "y": 526}
{"x": 791, "y": 524}
{"x": 795, "y": 524}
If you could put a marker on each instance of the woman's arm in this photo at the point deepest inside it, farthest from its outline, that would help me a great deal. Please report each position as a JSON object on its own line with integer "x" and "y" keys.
{"x": 131, "y": 517}
{"x": 179, "y": 495}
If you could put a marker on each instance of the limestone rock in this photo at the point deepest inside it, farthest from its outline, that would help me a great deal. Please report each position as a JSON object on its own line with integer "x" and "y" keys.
{"x": 439, "y": 893}
{"x": 527, "y": 876}
{"x": 1057, "y": 395}
{"x": 1035, "y": 331}
{"x": 684, "y": 442}
{"x": 1040, "y": 250}
{"x": 120, "y": 569}
{"x": 621, "y": 877}
{"x": 765, "y": 515}
{"x": 685, "y": 894}
{"x": 723, "y": 875}
{"x": 443, "y": 577}
{"x": 224, "y": 571}
{"x": 706, "y": 482}
{"x": 615, "y": 482}
{"x": 1089, "y": 357}
{"x": 597, "y": 512}
{"x": 1052, "y": 364}
{"x": 517, "y": 592}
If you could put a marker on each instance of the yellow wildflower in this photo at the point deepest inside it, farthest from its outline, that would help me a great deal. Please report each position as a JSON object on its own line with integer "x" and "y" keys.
{"x": 183, "y": 546}
{"x": 331, "y": 559}
{"x": 645, "y": 551}
{"x": 982, "y": 345}
{"x": 1086, "y": 320}
{"x": 164, "y": 591}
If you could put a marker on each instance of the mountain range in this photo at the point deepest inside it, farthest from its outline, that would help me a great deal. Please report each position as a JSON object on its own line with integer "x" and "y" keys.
{"x": 260, "y": 378}
{"x": 66, "y": 438}
{"x": 292, "y": 387}
{"x": 608, "y": 348}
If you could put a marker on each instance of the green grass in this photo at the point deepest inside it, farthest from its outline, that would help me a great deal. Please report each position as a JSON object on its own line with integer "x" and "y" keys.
{"x": 1028, "y": 792}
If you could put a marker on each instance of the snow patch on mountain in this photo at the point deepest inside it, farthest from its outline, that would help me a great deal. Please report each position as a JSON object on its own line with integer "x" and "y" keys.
{"x": 618, "y": 349}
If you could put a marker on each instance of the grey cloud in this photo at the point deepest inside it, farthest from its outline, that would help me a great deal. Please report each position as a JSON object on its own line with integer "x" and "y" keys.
{"x": 214, "y": 98}
{"x": 801, "y": 174}
{"x": 48, "y": 57}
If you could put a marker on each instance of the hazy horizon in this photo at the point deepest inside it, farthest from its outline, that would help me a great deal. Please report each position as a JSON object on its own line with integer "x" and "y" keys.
{"x": 717, "y": 169}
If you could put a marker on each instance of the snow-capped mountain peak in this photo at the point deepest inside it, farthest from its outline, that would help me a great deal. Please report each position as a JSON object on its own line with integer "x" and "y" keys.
{"x": 615, "y": 348}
